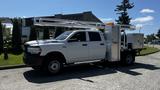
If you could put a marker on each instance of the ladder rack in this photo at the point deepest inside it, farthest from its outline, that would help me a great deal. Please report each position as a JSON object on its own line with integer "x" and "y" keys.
{"x": 66, "y": 23}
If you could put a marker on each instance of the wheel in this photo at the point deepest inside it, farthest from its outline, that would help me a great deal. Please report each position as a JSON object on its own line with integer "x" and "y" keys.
{"x": 128, "y": 59}
{"x": 53, "y": 66}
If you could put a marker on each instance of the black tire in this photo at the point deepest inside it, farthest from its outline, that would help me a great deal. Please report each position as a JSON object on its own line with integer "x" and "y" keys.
{"x": 128, "y": 59}
{"x": 53, "y": 66}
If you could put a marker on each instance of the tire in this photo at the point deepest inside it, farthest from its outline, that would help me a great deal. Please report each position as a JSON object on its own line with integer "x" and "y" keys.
{"x": 53, "y": 66}
{"x": 128, "y": 59}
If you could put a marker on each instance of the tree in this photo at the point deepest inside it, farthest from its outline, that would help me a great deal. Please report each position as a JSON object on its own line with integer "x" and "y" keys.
{"x": 16, "y": 35}
{"x": 1, "y": 38}
{"x": 150, "y": 38}
{"x": 122, "y": 9}
{"x": 33, "y": 34}
{"x": 158, "y": 34}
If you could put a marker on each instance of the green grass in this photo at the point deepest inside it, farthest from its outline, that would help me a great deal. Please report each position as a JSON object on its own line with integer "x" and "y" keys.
{"x": 12, "y": 60}
{"x": 148, "y": 50}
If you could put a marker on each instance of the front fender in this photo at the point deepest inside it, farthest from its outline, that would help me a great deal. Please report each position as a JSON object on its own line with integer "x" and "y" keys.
{"x": 45, "y": 49}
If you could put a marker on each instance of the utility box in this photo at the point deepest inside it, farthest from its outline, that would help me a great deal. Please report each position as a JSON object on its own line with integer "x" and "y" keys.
{"x": 136, "y": 39}
{"x": 113, "y": 40}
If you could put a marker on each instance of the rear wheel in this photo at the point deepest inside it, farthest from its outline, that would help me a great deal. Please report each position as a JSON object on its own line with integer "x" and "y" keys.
{"x": 128, "y": 59}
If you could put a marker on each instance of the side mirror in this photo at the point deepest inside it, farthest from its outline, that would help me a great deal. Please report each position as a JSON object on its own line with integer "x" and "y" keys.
{"x": 72, "y": 40}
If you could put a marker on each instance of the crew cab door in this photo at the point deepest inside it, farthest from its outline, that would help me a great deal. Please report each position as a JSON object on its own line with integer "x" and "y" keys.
{"x": 96, "y": 46}
{"x": 77, "y": 47}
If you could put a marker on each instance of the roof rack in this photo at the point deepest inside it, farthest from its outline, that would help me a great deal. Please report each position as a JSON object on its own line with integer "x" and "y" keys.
{"x": 66, "y": 23}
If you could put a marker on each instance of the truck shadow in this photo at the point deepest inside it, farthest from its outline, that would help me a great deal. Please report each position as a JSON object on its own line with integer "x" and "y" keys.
{"x": 84, "y": 71}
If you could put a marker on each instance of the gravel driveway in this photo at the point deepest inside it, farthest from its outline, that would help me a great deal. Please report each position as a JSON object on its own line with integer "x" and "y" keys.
{"x": 143, "y": 75}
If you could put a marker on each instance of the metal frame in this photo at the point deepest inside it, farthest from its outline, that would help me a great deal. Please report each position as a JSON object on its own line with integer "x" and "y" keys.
{"x": 66, "y": 23}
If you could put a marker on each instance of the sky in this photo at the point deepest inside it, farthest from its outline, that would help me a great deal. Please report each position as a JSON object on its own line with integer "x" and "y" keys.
{"x": 145, "y": 14}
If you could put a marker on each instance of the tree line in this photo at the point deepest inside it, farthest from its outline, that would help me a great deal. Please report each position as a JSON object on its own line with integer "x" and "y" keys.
{"x": 13, "y": 43}
{"x": 151, "y": 37}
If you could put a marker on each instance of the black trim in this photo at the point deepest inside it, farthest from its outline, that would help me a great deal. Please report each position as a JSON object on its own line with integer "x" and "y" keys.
{"x": 33, "y": 59}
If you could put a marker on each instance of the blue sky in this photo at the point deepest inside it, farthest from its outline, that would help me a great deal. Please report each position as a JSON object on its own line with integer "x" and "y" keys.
{"x": 145, "y": 14}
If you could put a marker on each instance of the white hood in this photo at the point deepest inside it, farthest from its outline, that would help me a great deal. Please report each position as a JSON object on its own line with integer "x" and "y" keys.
{"x": 40, "y": 42}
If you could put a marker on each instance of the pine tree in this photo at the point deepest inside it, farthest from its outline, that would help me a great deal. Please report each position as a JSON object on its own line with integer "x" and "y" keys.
{"x": 122, "y": 10}
{"x": 16, "y": 36}
{"x": 1, "y": 38}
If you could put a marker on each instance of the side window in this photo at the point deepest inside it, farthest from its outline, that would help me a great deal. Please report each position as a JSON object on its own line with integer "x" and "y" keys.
{"x": 94, "y": 36}
{"x": 80, "y": 36}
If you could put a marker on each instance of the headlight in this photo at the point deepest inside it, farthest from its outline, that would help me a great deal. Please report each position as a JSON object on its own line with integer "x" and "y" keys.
{"x": 34, "y": 50}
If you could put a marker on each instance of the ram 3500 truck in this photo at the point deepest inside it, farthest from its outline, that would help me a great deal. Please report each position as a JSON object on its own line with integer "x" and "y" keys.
{"x": 78, "y": 46}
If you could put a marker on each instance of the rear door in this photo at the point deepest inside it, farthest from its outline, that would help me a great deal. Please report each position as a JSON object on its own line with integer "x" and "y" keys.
{"x": 96, "y": 46}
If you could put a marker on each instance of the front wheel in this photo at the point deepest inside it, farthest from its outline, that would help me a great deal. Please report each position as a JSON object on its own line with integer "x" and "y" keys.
{"x": 54, "y": 66}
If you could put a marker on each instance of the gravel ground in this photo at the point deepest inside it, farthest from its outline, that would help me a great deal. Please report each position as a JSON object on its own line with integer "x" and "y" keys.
{"x": 143, "y": 75}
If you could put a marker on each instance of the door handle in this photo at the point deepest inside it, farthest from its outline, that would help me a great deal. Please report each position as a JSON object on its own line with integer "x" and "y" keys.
{"x": 102, "y": 44}
{"x": 84, "y": 44}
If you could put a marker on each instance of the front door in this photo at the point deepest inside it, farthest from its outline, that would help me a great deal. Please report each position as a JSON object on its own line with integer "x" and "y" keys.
{"x": 77, "y": 47}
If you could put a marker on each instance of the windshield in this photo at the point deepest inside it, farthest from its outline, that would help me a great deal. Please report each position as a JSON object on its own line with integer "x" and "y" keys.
{"x": 64, "y": 35}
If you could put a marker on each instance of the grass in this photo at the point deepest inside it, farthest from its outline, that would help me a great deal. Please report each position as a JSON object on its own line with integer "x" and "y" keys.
{"x": 12, "y": 60}
{"x": 148, "y": 50}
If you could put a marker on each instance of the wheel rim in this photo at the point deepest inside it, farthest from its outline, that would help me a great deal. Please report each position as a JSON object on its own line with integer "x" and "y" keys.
{"x": 54, "y": 66}
{"x": 129, "y": 59}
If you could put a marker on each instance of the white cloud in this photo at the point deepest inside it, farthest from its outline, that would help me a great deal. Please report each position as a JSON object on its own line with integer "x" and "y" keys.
{"x": 106, "y": 19}
{"x": 142, "y": 19}
{"x": 147, "y": 11}
{"x": 139, "y": 26}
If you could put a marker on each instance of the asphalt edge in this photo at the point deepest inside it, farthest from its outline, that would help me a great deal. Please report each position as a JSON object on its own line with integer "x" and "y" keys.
{"x": 12, "y": 67}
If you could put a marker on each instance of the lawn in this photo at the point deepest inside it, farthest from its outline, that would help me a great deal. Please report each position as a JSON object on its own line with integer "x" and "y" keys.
{"x": 148, "y": 50}
{"x": 12, "y": 60}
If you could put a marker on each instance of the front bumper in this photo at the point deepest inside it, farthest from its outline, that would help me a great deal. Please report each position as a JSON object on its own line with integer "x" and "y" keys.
{"x": 33, "y": 59}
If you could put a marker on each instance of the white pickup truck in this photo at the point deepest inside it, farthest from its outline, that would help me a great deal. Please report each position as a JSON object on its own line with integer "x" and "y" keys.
{"x": 77, "y": 46}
